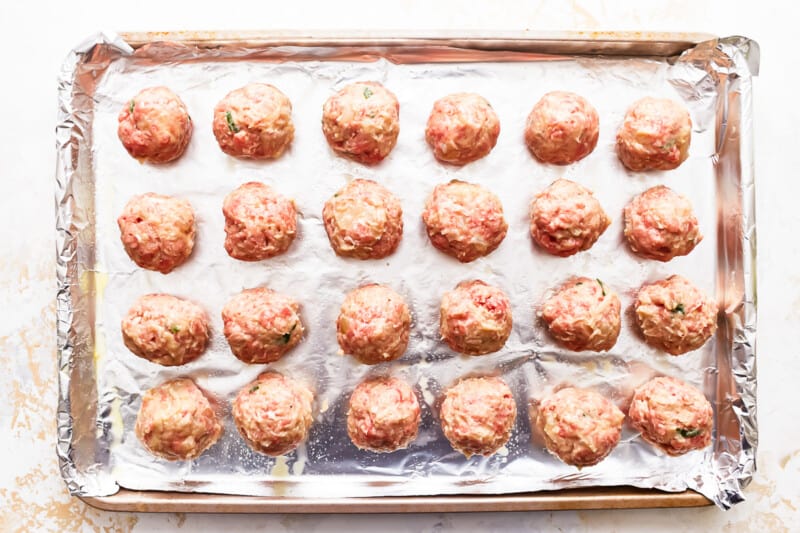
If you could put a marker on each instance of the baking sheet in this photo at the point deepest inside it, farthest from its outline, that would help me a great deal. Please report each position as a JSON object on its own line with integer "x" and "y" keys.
{"x": 100, "y": 282}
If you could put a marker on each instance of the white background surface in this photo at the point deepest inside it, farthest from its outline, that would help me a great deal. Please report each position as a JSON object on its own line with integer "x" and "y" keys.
{"x": 37, "y": 36}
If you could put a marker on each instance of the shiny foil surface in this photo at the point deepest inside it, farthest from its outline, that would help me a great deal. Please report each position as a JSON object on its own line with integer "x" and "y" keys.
{"x": 101, "y": 382}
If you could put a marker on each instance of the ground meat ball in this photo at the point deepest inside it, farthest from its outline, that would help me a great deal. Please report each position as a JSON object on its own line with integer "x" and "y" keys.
{"x": 259, "y": 222}
{"x": 655, "y": 135}
{"x": 383, "y": 416}
{"x": 362, "y": 121}
{"x": 580, "y": 426}
{"x": 475, "y": 318}
{"x": 583, "y": 315}
{"x": 154, "y": 126}
{"x": 672, "y": 415}
{"x": 157, "y": 231}
{"x": 566, "y": 218}
{"x": 660, "y": 224}
{"x": 374, "y": 324}
{"x": 477, "y": 415}
{"x": 261, "y": 325}
{"x": 464, "y": 220}
{"x": 177, "y": 421}
{"x": 254, "y": 122}
{"x": 462, "y": 128}
{"x": 273, "y": 414}
{"x": 165, "y": 329}
{"x": 562, "y": 128}
{"x": 675, "y": 316}
{"x": 363, "y": 220}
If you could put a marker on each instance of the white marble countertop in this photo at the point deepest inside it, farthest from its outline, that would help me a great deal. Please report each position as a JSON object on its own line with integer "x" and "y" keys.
{"x": 36, "y": 37}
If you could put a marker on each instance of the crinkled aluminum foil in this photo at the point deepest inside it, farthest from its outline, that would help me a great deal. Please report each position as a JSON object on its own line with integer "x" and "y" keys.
{"x": 101, "y": 382}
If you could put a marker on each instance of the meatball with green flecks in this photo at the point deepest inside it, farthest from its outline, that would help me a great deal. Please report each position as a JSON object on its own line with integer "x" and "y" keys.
{"x": 672, "y": 415}
{"x": 177, "y": 421}
{"x": 362, "y": 122}
{"x": 273, "y": 413}
{"x": 155, "y": 126}
{"x": 254, "y": 122}
{"x": 674, "y": 315}
{"x": 655, "y": 135}
{"x": 165, "y": 329}
{"x": 261, "y": 325}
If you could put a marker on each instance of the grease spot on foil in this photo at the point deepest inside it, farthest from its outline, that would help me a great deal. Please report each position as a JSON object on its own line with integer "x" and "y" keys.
{"x": 117, "y": 426}
{"x": 427, "y": 394}
{"x": 95, "y": 281}
{"x": 281, "y": 467}
{"x": 298, "y": 466}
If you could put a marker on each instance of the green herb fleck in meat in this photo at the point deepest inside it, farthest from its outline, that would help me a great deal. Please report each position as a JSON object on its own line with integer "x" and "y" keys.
{"x": 253, "y": 389}
{"x": 130, "y": 107}
{"x": 286, "y": 337}
{"x": 174, "y": 329}
{"x": 231, "y": 124}
{"x": 679, "y": 309}
{"x": 669, "y": 145}
{"x": 602, "y": 287}
{"x": 688, "y": 433}
{"x": 367, "y": 92}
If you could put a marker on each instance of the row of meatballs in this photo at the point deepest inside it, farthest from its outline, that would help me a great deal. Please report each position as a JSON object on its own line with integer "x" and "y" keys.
{"x": 273, "y": 414}
{"x": 362, "y": 122}
{"x": 374, "y": 321}
{"x": 364, "y": 220}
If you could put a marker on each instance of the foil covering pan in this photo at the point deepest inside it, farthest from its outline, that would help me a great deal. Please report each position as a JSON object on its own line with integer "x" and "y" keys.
{"x": 101, "y": 382}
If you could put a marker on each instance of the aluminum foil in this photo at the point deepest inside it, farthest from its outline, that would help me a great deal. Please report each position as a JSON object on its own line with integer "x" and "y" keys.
{"x": 101, "y": 382}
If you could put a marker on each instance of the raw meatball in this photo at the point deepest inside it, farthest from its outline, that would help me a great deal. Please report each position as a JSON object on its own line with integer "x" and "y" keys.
{"x": 363, "y": 220}
{"x": 477, "y": 415}
{"x": 580, "y": 426}
{"x": 672, "y": 415}
{"x": 254, "y": 122}
{"x": 583, "y": 315}
{"x": 464, "y": 220}
{"x": 462, "y": 128}
{"x": 383, "y": 415}
{"x": 475, "y": 318}
{"x": 157, "y": 231}
{"x": 362, "y": 121}
{"x": 165, "y": 329}
{"x": 154, "y": 126}
{"x": 655, "y": 135}
{"x": 261, "y": 325}
{"x": 177, "y": 421}
{"x": 566, "y": 218}
{"x": 562, "y": 128}
{"x": 273, "y": 414}
{"x": 259, "y": 222}
{"x": 675, "y": 316}
{"x": 660, "y": 224}
{"x": 373, "y": 324}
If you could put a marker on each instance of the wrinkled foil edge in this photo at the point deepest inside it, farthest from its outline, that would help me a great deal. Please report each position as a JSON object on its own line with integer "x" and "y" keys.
{"x": 732, "y": 62}
{"x": 70, "y": 127}
{"x": 745, "y": 56}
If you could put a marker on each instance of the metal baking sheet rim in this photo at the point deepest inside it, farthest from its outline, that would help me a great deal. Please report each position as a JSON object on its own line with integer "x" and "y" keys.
{"x": 102, "y": 492}
{"x": 567, "y": 499}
